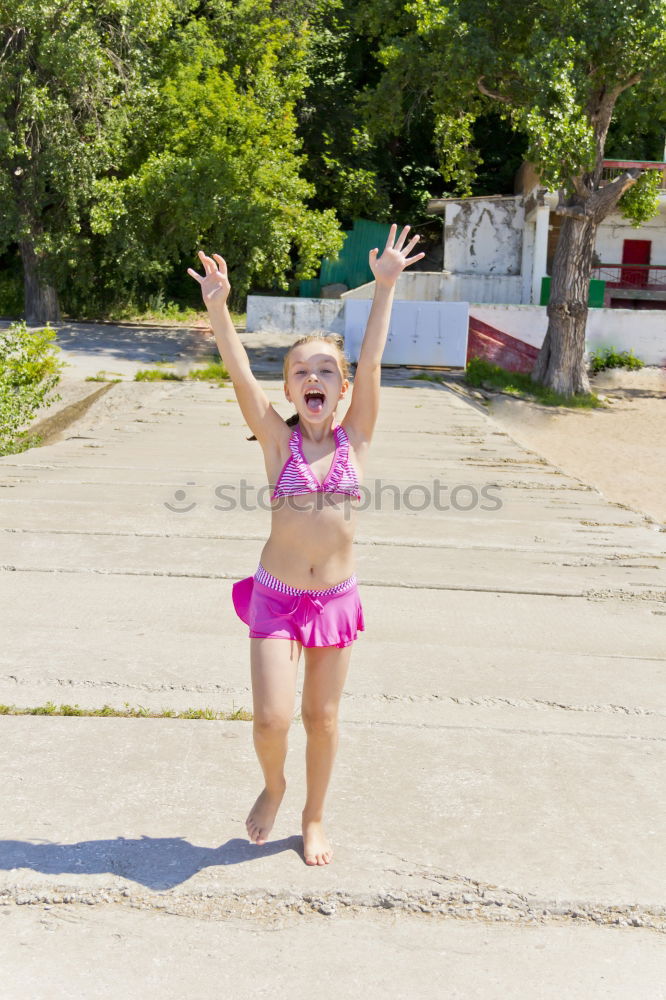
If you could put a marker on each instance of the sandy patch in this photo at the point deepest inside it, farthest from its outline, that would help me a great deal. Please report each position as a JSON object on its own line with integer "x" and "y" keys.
{"x": 619, "y": 449}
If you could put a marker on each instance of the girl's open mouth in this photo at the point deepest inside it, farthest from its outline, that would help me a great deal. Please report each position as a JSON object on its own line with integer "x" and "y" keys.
{"x": 314, "y": 400}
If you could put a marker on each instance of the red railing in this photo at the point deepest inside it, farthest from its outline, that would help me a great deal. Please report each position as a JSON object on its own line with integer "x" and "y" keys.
{"x": 613, "y": 169}
{"x": 649, "y": 276}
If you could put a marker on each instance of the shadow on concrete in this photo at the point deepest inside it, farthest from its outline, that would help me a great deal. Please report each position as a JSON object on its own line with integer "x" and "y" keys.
{"x": 154, "y": 862}
{"x": 135, "y": 343}
{"x": 143, "y": 344}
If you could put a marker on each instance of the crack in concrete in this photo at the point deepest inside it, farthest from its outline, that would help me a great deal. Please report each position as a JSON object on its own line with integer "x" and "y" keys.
{"x": 403, "y": 585}
{"x": 539, "y": 704}
{"x": 480, "y": 701}
{"x": 519, "y": 484}
{"x": 457, "y": 898}
{"x": 625, "y": 595}
{"x": 190, "y": 575}
{"x": 368, "y": 540}
{"x": 124, "y": 685}
{"x": 595, "y": 564}
{"x": 466, "y": 727}
{"x": 609, "y": 594}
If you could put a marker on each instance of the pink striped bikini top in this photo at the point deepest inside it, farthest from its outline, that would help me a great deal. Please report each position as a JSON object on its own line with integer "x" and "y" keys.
{"x": 298, "y": 477}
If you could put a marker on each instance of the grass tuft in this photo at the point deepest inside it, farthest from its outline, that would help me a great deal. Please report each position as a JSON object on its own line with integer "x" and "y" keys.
{"x": 156, "y": 375}
{"x": 103, "y": 376}
{"x": 213, "y": 371}
{"x": 128, "y": 712}
{"x": 484, "y": 375}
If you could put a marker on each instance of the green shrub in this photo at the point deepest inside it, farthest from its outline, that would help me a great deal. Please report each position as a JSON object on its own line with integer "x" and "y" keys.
{"x": 609, "y": 358}
{"x": 29, "y": 370}
{"x": 478, "y": 371}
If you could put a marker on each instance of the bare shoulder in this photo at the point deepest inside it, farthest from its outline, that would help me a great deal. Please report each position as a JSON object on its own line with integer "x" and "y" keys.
{"x": 361, "y": 416}
{"x": 360, "y": 442}
{"x": 357, "y": 436}
{"x": 260, "y": 415}
{"x": 275, "y": 448}
{"x": 276, "y": 433}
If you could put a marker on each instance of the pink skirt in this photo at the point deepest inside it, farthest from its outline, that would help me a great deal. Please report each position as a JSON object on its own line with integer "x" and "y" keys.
{"x": 274, "y": 610}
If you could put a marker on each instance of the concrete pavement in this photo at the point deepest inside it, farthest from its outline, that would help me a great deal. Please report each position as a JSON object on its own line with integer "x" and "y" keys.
{"x": 497, "y": 807}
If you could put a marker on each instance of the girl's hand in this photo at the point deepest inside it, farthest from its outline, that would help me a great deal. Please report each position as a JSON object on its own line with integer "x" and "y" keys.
{"x": 215, "y": 285}
{"x": 394, "y": 259}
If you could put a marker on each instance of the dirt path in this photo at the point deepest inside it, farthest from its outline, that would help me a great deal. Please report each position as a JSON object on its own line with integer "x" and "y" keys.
{"x": 620, "y": 450}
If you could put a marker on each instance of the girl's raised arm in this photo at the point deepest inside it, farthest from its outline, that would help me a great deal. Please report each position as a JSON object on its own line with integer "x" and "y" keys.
{"x": 262, "y": 419}
{"x": 364, "y": 407}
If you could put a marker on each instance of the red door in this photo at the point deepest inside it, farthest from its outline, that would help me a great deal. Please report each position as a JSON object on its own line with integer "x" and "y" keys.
{"x": 635, "y": 252}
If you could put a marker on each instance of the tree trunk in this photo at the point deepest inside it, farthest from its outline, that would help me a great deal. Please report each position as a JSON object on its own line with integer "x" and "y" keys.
{"x": 41, "y": 299}
{"x": 561, "y": 361}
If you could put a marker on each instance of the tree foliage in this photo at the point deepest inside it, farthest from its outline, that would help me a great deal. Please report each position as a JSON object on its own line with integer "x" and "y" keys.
{"x": 131, "y": 133}
{"x": 216, "y": 161}
{"x": 551, "y": 68}
{"x": 66, "y": 71}
{"x": 360, "y": 171}
{"x": 555, "y": 70}
{"x": 641, "y": 202}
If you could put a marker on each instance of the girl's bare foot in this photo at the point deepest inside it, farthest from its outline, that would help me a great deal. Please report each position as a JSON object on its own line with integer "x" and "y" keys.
{"x": 316, "y": 846}
{"x": 259, "y": 822}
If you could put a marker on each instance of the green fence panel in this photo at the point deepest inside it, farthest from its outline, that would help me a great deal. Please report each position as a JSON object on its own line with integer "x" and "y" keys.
{"x": 351, "y": 266}
{"x": 597, "y": 292}
{"x": 310, "y": 288}
{"x": 595, "y": 298}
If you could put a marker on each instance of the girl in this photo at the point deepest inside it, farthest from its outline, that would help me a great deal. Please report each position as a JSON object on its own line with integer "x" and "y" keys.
{"x": 304, "y": 593}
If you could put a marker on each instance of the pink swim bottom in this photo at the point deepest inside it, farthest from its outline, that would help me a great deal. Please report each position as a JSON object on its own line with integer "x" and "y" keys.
{"x": 275, "y": 610}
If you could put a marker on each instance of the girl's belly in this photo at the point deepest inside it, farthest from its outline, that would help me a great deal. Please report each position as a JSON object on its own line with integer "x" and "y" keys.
{"x": 311, "y": 540}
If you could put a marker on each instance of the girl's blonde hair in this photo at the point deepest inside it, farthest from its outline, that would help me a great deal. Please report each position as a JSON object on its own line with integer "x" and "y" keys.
{"x": 335, "y": 339}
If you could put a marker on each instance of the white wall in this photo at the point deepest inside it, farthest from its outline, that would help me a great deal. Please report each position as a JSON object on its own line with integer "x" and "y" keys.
{"x": 640, "y": 330}
{"x": 643, "y": 331}
{"x": 438, "y": 286}
{"x": 615, "y": 229}
{"x": 294, "y": 315}
{"x": 484, "y": 236}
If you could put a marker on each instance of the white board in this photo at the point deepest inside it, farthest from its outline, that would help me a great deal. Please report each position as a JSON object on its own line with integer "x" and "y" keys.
{"x": 420, "y": 333}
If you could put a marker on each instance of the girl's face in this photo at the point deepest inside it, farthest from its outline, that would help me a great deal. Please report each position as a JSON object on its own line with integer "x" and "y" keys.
{"x": 314, "y": 381}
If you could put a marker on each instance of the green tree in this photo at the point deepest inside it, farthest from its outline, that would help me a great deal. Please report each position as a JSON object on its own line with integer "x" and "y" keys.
{"x": 66, "y": 71}
{"x": 555, "y": 70}
{"x": 132, "y": 132}
{"x": 359, "y": 171}
{"x": 215, "y": 162}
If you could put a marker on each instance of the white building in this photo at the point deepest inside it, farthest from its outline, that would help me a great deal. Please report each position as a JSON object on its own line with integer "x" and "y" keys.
{"x": 498, "y": 249}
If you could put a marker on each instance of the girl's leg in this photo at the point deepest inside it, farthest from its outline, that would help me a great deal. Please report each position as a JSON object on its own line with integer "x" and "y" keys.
{"x": 326, "y": 670}
{"x": 274, "y": 667}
